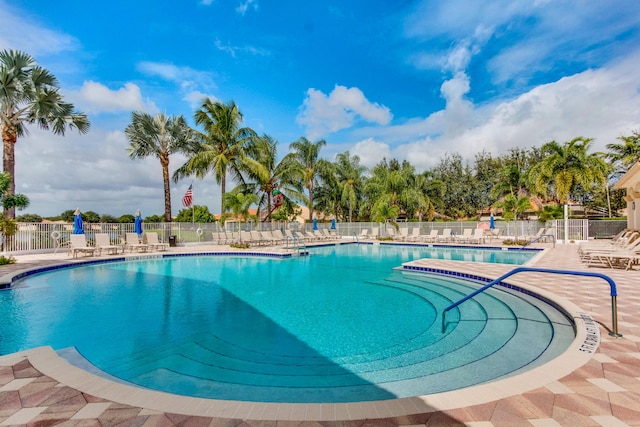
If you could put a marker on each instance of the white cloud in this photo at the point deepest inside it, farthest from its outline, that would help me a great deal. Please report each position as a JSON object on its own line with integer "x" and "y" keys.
{"x": 195, "y": 98}
{"x": 246, "y": 5}
{"x": 322, "y": 114}
{"x": 185, "y": 77}
{"x": 95, "y": 97}
{"x": 233, "y": 50}
{"x": 601, "y": 104}
{"x": 371, "y": 152}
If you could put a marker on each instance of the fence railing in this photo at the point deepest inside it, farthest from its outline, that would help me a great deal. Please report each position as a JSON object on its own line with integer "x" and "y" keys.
{"x": 44, "y": 237}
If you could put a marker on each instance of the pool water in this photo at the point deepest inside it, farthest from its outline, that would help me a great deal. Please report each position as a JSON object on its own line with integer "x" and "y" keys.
{"x": 337, "y": 326}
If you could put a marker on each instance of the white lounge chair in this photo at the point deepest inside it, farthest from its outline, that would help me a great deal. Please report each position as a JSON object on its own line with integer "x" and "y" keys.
{"x": 133, "y": 244}
{"x": 464, "y": 237}
{"x": 154, "y": 242}
{"x": 431, "y": 237}
{"x": 445, "y": 236}
{"x": 404, "y": 234}
{"x": 477, "y": 237}
{"x": 104, "y": 245}
{"x": 414, "y": 236}
{"x": 78, "y": 244}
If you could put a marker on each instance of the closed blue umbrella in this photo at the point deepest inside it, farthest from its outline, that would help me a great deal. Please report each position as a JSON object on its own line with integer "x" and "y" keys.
{"x": 492, "y": 223}
{"x": 315, "y": 224}
{"x": 137, "y": 224}
{"x": 77, "y": 223}
{"x": 333, "y": 224}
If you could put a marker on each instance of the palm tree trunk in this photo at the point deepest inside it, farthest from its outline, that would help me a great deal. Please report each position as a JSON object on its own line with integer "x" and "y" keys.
{"x": 164, "y": 161}
{"x": 223, "y": 186}
{"x": 9, "y": 138}
{"x": 310, "y": 189}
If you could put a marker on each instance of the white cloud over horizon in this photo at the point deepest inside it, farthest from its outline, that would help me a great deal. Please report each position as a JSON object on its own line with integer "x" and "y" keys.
{"x": 323, "y": 114}
{"x": 95, "y": 97}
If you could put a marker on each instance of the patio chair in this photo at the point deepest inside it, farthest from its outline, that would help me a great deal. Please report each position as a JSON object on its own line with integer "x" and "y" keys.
{"x": 328, "y": 235}
{"x": 415, "y": 235}
{"x": 445, "y": 237}
{"x": 132, "y": 243}
{"x": 404, "y": 234}
{"x": 78, "y": 244}
{"x": 278, "y": 236}
{"x": 464, "y": 237}
{"x": 154, "y": 242}
{"x": 477, "y": 237}
{"x": 104, "y": 245}
{"x": 431, "y": 237}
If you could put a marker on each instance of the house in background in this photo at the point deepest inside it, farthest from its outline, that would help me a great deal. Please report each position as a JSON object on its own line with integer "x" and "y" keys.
{"x": 630, "y": 181}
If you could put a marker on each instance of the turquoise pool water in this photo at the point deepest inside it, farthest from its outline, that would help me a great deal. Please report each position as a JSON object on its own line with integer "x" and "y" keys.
{"x": 337, "y": 326}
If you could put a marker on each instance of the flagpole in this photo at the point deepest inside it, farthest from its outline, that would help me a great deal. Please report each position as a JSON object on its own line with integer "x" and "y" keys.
{"x": 193, "y": 206}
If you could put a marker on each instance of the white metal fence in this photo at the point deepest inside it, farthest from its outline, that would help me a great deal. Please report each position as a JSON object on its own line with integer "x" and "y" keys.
{"x": 45, "y": 237}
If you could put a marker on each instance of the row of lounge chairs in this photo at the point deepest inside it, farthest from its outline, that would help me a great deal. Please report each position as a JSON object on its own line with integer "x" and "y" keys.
{"x": 468, "y": 235}
{"x": 623, "y": 251}
{"x": 275, "y": 237}
{"x": 104, "y": 246}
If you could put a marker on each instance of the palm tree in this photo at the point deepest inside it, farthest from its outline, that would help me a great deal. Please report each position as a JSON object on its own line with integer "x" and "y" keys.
{"x": 267, "y": 174}
{"x": 222, "y": 145}
{"x": 513, "y": 206}
{"x": 29, "y": 94}
{"x": 306, "y": 153}
{"x": 349, "y": 179}
{"x": 566, "y": 166}
{"x": 159, "y": 136}
{"x": 384, "y": 211}
{"x": 239, "y": 203}
{"x": 627, "y": 153}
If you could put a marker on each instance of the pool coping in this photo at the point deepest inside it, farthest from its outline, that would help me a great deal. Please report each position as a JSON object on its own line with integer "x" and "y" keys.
{"x": 47, "y": 361}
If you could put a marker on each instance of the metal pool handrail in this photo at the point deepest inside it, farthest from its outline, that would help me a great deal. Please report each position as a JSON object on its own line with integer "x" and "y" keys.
{"x": 612, "y": 285}
{"x": 540, "y": 237}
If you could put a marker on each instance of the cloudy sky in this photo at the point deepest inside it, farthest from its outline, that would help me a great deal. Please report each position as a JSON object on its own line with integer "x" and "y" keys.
{"x": 407, "y": 79}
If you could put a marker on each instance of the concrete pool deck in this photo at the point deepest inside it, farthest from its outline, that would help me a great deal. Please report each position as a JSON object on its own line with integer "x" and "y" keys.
{"x": 38, "y": 388}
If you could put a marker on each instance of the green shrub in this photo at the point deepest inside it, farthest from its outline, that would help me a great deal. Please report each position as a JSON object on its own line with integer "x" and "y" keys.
{"x": 7, "y": 260}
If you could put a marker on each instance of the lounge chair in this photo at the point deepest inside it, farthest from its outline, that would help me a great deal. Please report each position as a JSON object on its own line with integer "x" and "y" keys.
{"x": 363, "y": 234}
{"x": 328, "y": 235}
{"x": 257, "y": 238}
{"x": 375, "y": 232}
{"x": 414, "y": 236}
{"x": 103, "y": 245}
{"x": 538, "y": 235}
{"x": 431, "y": 237}
{"x": 154, "y": 242}
{"x": 404, "y": 234}
{"x": 319, "y": 235}
{"x": 477, "y": 237}
{"x": 278, "y": 236}
{"x": 267, "y": 237}
{"x": 464, "y": 237}
{"x": 78, "y": 244}
{"x": 391, "y": 232}
{"x": 133, "y": 244}
{"x": 445, "y": 237}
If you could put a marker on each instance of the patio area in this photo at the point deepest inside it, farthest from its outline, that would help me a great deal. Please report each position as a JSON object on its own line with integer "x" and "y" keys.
{"x": 603, "y": 392}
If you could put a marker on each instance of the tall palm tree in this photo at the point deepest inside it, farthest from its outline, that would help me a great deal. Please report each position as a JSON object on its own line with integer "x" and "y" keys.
{"x": 306, "y": 153}
{"x": 349, "y": 178}
{"x": 29, "y": 94}
{"x": 159, "y": 136}
{"x": 565, "y": 166}
{"x": 625, "y": 154}
{"x": 222, "y": 145}
{"x": 267, "y": 174}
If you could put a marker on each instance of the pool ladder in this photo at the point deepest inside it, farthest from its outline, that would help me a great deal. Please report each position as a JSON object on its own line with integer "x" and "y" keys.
{"x": 296, "y": 244}
{"x": 614, "y": 305}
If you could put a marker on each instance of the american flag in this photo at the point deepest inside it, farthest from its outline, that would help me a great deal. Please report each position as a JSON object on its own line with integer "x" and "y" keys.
{"x": 188, "y": 197}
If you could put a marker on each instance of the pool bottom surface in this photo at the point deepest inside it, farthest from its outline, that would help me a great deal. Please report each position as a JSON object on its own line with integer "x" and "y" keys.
{"x": 353, "y": 334}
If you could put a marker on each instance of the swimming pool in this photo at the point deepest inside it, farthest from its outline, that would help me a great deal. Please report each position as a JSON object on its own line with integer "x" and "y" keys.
{"x": 338, "y": 326}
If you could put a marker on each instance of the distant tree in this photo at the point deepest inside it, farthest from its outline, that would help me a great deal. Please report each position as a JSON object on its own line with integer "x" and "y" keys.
{"x": 159, "y": 136}
{"x": 383, "y": 211}
{"x": 29, "y": 94}
{"x": 8, "y": 226}
{"x": 29, "y": 218}
{"x": 201, "y": 215}
{"x": 625, "y": 154}
{"x": 154, "y": 218}
{"x": 461, "y": 198}
{"x": 67, "y": 216}
{"x": 91, "y": 217}
{"x": 239, "y": 203}
{"x": 567, "y": 166}
{"x": 550, "y": 212}
{"x": 513, "y": 207}
{"x": 108, "y": 219}
{"x": 126, "y": 218}
{"x": 306, "y": 153}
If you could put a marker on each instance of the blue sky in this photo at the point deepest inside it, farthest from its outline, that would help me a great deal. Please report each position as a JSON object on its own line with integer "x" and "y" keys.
{"x": 412, "y": 80}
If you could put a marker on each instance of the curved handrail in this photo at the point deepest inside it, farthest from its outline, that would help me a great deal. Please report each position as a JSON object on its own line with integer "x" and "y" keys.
{"x": 612, "y": 285}
{"x": 295, "y": 242}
